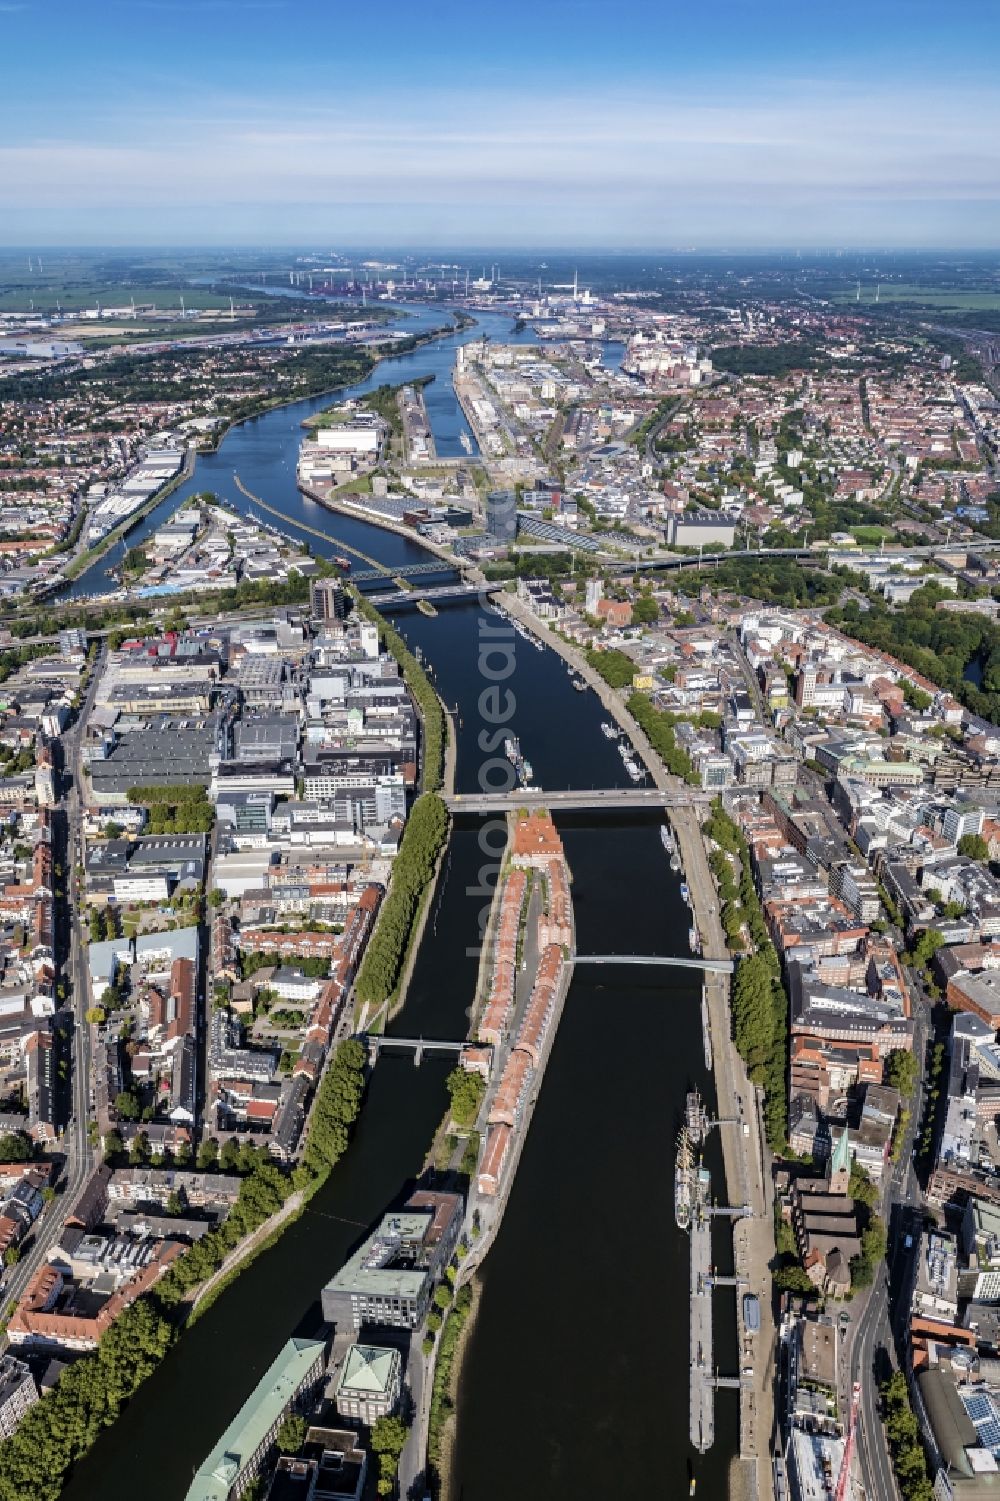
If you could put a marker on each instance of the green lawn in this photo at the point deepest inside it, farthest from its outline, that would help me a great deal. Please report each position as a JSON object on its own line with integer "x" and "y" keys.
{"x": 868, "y": 536}
{"x": 73, "y": 295}
{"x": 934, "y": 297}
{"x": 334, "y": 416}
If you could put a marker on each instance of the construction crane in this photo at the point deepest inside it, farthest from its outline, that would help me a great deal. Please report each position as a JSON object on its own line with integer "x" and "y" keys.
{"x": 840, "y": 1490}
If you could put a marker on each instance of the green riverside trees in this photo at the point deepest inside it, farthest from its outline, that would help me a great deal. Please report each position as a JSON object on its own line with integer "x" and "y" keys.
{"x": 467, "y": 1092}
{"x": 442, "y": 1397}
{"x": 658, "y": 727}
{"x": 60, "y": 1428}
{"x": 262, "y": 1194}
{"x": 336, "y": 1107}
{"x": 615, "y": 667}
{"x": 412, "y": 869}
{"x": 759, "y": 1002}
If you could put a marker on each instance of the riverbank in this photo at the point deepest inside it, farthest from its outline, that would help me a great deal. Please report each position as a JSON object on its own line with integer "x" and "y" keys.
{"x": 424, "y": 839}
{"x": 302, "y": 526}
{"x": 484, "y": 1216}
{"x": 438, "y": 768}
{"x": 442, "y": 1418}
{"x": 414, "y": 1459}
{"x": 349, "y": 506}
{"x": 488, "y": 1212}
{"x": 101, "y": 549}
{"x": 426, "y": 432}
{"x": 488, "y": 937}
{"x": 240, "y": 1258}
{"x": 610, "y": 699}
{"x": 275, "y": 403}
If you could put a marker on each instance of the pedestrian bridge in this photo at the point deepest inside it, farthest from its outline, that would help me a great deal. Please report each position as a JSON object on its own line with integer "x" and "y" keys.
{"x": 418, "y": 1046}
{"x": 710, "y": 966}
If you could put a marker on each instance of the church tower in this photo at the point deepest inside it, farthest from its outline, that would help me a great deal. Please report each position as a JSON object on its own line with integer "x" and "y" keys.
{"x": 839, "y": 1169}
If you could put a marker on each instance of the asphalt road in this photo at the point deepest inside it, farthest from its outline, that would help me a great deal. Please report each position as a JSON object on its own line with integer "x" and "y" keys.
{"x": 873, "y": 1452}
{"x": 750, "y": 677}
{"x": 872, "y": 1327}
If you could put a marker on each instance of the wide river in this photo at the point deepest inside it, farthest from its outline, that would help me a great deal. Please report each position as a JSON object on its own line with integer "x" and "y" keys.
{"x": 575, "y": 1382}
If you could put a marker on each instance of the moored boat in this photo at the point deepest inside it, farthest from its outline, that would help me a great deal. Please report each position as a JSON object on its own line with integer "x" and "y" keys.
{"x": 683, "y": 1170}
{"x": 512, "y": 750}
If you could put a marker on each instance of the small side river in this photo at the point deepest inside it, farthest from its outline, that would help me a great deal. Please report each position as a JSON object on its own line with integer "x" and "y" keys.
{"x": 576, "y": 1377}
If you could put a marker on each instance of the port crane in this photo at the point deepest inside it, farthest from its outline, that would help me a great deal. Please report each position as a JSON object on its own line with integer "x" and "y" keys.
{"x": 845, "y": 1468}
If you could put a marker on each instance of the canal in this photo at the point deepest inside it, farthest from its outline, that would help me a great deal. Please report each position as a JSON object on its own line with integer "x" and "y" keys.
{"x": 576, "y": 1377}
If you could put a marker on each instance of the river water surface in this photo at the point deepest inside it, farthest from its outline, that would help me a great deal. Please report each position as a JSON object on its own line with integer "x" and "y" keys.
{"x": 575, "y": 1382}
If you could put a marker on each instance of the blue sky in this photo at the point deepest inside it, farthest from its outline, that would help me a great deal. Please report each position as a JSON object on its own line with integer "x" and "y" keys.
{"x": 638, "y": 124}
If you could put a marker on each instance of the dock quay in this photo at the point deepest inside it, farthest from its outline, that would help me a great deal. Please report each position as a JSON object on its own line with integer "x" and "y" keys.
{"x": 418, "y": 436}
{"x": 701, "y": 1391}
{"x": 695, "y": 1212}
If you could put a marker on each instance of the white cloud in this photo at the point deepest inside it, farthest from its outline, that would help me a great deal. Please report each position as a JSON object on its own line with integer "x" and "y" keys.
{"x": 772, "y": 151}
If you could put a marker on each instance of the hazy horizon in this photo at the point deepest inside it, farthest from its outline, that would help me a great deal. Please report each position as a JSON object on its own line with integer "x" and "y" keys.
{"x": 469, "y": 248}
{"x": 231, "y": 122}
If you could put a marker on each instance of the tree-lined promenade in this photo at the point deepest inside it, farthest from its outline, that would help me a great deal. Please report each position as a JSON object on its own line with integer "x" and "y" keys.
{"x": 413, "y": 867}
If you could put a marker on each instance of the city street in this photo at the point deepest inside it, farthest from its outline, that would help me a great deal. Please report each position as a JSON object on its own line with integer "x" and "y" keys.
{"x": 873, "y": 1453}
{"x": 79, "y": 1152}
{"x": 869, "y": 1328}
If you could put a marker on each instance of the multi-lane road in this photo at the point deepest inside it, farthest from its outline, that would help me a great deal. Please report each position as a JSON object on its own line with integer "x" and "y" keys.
{"x": 873, "y": 1454}
{"x": 871, "y": 1331}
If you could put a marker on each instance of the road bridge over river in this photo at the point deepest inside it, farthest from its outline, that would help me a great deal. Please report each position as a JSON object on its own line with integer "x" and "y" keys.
{"x": 434, "y": 596}
{"x": 816, "y": 556}
{"x": 404, "y": 571}
{"x": 594, "y": 797}
{"x": 709, "y": 966}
